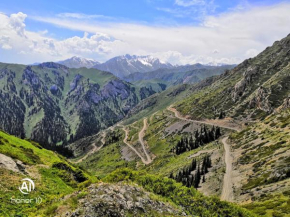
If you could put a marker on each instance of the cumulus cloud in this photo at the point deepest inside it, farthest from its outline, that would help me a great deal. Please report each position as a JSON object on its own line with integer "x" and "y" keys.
{"x": 225, "y": 38}
{"x": 235, "y": 35}
{"x": 16, "y": 22}
{"x": 36, "y": 46}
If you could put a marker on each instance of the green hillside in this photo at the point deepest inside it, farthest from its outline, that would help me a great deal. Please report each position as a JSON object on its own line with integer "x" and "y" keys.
{"x": 52, "y": 104}
{"x": 53, "y": 175}
{"x": 62, "y": 186}
{"x": 252, "y": 90}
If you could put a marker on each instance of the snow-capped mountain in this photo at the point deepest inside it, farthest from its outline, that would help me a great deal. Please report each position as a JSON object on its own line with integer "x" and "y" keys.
{"x": 122, "y": 66}
{"x": 79, "y": 62}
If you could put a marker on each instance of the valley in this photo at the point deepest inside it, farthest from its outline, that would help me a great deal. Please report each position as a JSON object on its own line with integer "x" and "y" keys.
{"x": 238, "y": 174}
{"x": 178, "y": 140}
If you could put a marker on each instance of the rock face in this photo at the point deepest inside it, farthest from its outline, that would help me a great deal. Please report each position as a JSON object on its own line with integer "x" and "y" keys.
{"x": 121, "y": 200}
{"x": 261, "y": 100}
{"x": 286, "y": 103}
{"x": 9, "y": 164}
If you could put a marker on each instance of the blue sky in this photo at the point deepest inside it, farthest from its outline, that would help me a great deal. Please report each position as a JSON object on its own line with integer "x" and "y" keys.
{"x": 51, "y": 30}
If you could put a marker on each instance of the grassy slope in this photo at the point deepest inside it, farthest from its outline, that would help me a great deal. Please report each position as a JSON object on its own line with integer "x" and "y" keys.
{"x": 266, "y": 151}
{"x": 51, "y": 182}
{"x": 269, "y": 70}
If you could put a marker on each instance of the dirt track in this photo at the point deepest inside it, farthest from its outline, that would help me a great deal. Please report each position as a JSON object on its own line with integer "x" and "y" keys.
{"x": 219, "y": 123}
{"x": 130, "y": 146}
{"x": 141, "y": 140}
{"x": 95, "y": 148}
{"x": 227, "y": 191}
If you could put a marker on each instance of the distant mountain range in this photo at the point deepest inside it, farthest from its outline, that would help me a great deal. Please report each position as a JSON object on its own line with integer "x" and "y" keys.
{"x": 134, "y": 68}
{"x": 78, "y": 62}
{"x": 187, "y": 74}
{"x": 122, "y": 66}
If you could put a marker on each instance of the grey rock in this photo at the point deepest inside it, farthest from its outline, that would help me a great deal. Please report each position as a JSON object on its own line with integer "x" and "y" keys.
{"x": 120, "y": 200}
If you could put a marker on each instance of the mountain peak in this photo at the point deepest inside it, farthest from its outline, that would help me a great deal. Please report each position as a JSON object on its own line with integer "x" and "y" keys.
{"x": 79, "y": 62}
{"x": 127, "y": 64}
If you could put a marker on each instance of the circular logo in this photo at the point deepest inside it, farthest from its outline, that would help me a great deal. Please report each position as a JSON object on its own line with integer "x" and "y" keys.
{"x": 27, "y": 186}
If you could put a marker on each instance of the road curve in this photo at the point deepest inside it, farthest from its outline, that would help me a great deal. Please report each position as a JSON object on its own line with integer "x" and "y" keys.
{"x": 130, "y": 146}
{"x": 95, "y": 148}
{"x": 179, "y": 116}
{"x": 141, "y": 140}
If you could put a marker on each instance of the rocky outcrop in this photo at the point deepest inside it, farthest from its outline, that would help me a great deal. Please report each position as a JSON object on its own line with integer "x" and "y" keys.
{"x": 240, "y": 87}
{"x": 121, "y": 200}
{"x": 261, "y": 100}
{"x": 9, "y": 164}
{"x": 286, "y": 103}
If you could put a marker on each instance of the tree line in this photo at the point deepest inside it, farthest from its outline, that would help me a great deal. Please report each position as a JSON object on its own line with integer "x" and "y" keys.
{"x": 194, "y": 173}
{"x": 201, "y": 137}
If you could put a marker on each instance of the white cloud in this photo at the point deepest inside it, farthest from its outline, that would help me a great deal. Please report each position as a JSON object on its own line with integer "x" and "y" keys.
{"x": 16, "y": 22}
{"x": 191, "y": 9}
{"x": 187, "y": 3}
{"x": 37, "y": 47}
{"x": 177, "y": 58}
{"x": 252, "y": 53}
{"x": 6, "y": 47}
{"x": 4, "y": 42}
{"x": 82, "y": 16}
{"x": 226, "y": 38}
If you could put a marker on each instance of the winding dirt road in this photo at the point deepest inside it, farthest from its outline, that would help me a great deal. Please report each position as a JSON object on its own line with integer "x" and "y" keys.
{"x": 227, "y": 191}
{"x": 130, "y": 146}
{"x": 95, "y": 148}
{"x": 141, "y": 140}
{"x": 208, "y": 122}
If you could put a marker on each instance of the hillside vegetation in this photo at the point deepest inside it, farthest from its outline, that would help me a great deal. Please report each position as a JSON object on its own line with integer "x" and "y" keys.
{"x": 252, "y": 90}
{"x": 52, "y": 174}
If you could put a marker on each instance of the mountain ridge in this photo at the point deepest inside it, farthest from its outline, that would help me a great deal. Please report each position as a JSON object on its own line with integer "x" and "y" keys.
{"x": 78, "y": 62}
{"x": 127, "y": 64}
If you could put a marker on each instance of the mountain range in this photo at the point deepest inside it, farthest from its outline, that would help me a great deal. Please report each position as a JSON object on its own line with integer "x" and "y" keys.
{"x": 78, "y": 62}
{"x": 249, "y": 103}
{"x": 52, "y": 104}
{"x": 125, "y": 65}
{"x": 154, "y": 139}
{"x": 120, "y": 66}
